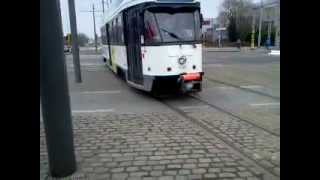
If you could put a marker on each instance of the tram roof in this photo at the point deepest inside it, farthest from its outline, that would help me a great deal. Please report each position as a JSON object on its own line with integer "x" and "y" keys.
{"x": 118, "y": 5}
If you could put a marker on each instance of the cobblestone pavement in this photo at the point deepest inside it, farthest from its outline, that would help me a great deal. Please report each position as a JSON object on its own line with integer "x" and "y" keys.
{"x": 160, "y": 146}
{"x": 260, "y": 145}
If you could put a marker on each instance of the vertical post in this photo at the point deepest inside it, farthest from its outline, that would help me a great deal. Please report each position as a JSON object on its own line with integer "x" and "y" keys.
{"x": 75, "y": 46}
{"x": 253, "y": 30}
{"x": 54, "y": 92}
{"x": 269, "y": 31}
{"x": 102, "y": 6}
{"x": 219, "y": 38}
{"x": 94, "y": 28}
{"x": 260, "y": 23}
{"x": 277, "y": 26}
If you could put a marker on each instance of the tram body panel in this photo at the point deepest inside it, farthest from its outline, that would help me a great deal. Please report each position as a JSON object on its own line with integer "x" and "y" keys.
{"x": 161, "y": 44}
{"x": 157, "y": 59}
{"x": 118, "y": 57}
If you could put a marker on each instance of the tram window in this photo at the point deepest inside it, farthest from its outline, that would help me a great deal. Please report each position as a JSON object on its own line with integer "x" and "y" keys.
{"x": 115, "y": 30}
{"x": 103, "y": 36}
{"x": 197, "y": 25}
{"x": 151, "y": 31}
{"x": 106, "y": 35}
{"x": 110, "y": 32}
{"x": 173, "y": 26}
{"x": 120, "y": 29}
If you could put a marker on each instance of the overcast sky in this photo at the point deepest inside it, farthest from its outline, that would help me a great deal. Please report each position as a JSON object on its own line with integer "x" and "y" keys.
{"x": 209, "y": 9}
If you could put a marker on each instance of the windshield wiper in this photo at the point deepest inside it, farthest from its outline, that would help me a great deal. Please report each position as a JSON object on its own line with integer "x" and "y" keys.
{"x": 172, "y": 34}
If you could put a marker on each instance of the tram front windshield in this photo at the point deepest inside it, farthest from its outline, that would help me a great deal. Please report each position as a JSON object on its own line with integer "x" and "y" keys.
{"x": 170, "y": 26}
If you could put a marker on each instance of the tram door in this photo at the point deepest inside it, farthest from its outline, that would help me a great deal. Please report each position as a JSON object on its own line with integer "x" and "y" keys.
{"x": 133, "y": 23}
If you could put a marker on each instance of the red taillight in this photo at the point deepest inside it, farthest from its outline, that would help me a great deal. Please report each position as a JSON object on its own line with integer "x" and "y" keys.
{"x": 191, "y": 77}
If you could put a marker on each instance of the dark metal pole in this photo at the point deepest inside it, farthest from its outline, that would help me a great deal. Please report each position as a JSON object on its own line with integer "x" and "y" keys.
{"x": 253, "y": 30}
{"x": 94, "y": 28}
{"x": 103, "y": 6}
{"x": 54, "y": 92}
{"x": 260, "y": 23}
{"x": 75, "y": 46}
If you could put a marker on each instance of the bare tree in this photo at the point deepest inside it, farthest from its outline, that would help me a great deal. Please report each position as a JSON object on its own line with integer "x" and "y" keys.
{"x": 238, "y": 15}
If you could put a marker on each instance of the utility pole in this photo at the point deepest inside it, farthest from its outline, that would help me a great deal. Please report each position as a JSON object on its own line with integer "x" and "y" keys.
{"x": 260, "y": 23}
{"x": 269, "y": 31}
{"x": 94, "y": 28}
{"x": 253, "y": 30}
{"x": 102, "y": 6}
{"x": 54, "y": 92}
{"x": 74, "y": 37}
{"x": 277, "y": 26}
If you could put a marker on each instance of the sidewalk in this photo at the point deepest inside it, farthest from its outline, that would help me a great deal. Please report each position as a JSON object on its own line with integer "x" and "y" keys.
{"x": 148, "y": 146}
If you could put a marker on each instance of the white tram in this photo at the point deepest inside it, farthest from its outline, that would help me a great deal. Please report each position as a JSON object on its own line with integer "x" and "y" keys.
{"x": 155, "y": 45}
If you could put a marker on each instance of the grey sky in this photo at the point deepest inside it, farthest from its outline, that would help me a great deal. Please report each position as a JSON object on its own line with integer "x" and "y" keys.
{"x": 209, "y": 9}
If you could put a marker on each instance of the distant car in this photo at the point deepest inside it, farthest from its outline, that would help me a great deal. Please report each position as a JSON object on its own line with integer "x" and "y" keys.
{"x": 67, "y": 48}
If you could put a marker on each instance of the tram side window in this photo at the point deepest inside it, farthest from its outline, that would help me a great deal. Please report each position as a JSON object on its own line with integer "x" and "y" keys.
{"x": 115, "y": 31}
{"x": 103, "y": 35}
{"x": 110, "y": 32}
{"x": 197, "y": 25}
{"x": 151, "y": 32}
{"x": 120, "y": 30}
{"x": 106, "y": 36}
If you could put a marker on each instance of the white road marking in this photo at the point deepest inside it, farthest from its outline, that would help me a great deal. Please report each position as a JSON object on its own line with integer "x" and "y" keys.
{"x": 265, "y": 104}
{"x": 225, "y": 87}
{"x": 274, "y": 52}
{"x": 193, "y": 107}
{"x": 213, "y": 65}
{"x": 92, "y": 111}
{"x": 252, "y": 86}
{"x": 101, "y": 92}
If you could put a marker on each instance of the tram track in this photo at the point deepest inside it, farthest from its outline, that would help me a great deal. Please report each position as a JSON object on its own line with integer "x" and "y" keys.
{"x": 233, "y": 115}
{"x": 244, "y": 89}
{"x": 269, "y": 174}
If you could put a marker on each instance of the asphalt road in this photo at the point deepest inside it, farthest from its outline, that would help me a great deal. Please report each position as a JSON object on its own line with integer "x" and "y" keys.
{"x": 252, "y": 72}
{"x": 241, "y": 96}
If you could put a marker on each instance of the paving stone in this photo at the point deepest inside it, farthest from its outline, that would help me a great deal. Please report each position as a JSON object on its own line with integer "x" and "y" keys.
{"x": 181, "y": 178}
{"x": 166, "y": 178}
{"x": 210, "y": 175}
{"x": 158, "y": 167}
{"x": 156, "y": 173}
{"x": 184, "y": 171}
{"x": 174, "y": 166}
{"x": 133, "y": 168}
{"x": 245, "y": 174}
{"x": 138, "y": 174}
{"x": 189, "y": 166}
{"x": 199, "y": 171}
{"x": 227, "y": 175}
{"x": 124, "y": 147}
{"x": 115, "y": 170}
{"x": 119, "y": 176}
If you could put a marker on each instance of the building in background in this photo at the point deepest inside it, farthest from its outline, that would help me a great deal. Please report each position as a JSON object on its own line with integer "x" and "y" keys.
{"x": 210, "y": 31}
